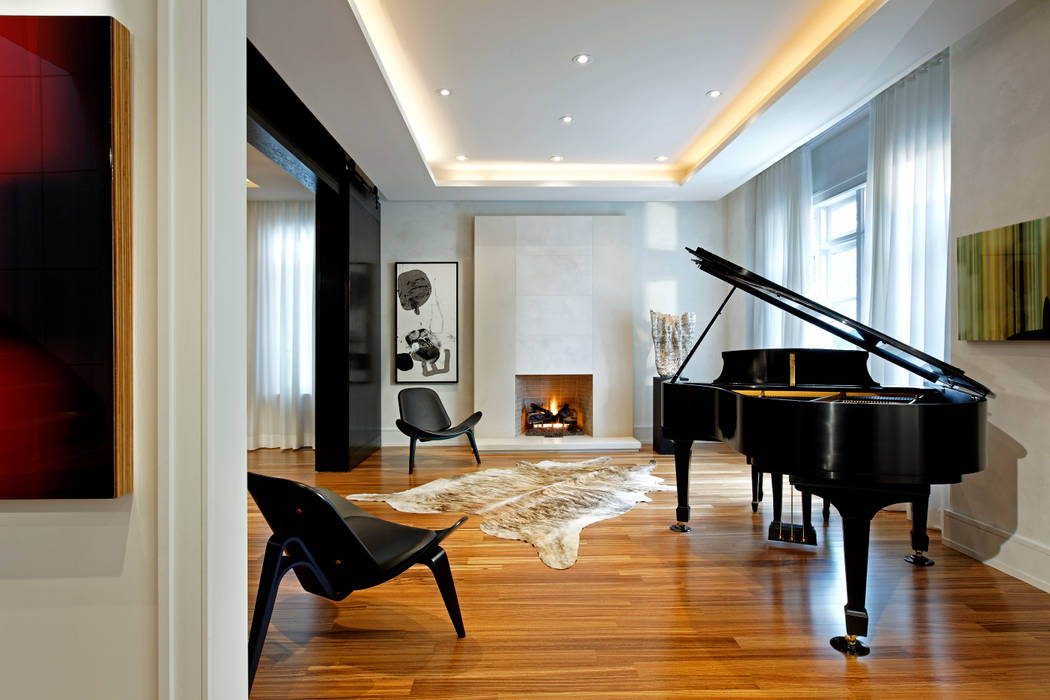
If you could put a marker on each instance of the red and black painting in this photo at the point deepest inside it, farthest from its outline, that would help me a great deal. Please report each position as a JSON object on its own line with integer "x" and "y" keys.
{"x": 64, "y": 258}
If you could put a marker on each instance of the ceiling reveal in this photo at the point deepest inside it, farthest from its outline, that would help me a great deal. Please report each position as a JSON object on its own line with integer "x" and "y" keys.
{"x": 648, "y": 92}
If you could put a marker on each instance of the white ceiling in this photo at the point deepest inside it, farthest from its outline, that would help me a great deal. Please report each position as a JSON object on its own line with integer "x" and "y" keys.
{"x": 274, "y": 184}
{"x": 508, "y": 65}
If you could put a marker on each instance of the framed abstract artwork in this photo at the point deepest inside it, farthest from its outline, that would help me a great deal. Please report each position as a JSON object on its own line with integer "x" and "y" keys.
{"x": 426, "y": 345}
{"x": 65, "y": 258}
{"x": 1004, "y": 283}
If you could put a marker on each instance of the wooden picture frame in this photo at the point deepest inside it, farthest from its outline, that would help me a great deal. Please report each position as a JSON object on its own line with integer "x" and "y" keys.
{"x": 426, "y": 335}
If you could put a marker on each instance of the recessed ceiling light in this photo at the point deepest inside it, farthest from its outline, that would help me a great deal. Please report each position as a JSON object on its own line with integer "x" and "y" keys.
{"x": 714, "y": 93}
{"x": 461, "y": 157}
{"x": 557, "y": 159}
{"x": 661, "y": 158}
{"x": 444, "y": 92}
{"x": 251, "y": 185}
{"x": 565, "y": 119}
{"x": 582, "y": 58}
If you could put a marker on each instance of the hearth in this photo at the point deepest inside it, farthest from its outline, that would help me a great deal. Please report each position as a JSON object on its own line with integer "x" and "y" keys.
{"x": 556, "y": 405}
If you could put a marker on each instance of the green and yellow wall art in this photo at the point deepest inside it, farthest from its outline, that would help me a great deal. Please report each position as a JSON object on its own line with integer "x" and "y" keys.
{"x": 1004, "y": 283}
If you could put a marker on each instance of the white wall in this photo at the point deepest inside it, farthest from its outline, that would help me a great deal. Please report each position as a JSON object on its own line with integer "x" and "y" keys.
{"x": 146, "y": 596}
{"x": 1000, "y": 106}
{"x": 664, "y": 279}
{"x": 78, "y": 585}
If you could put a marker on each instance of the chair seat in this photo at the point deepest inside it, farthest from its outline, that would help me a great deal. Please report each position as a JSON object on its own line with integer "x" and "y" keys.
{"x": 391, "y": 544}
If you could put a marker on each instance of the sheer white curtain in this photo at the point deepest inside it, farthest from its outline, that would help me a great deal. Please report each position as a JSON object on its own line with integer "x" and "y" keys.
{"x": 780, "y": 248}
{"x": 280, "y": 324}
{"x": 904, "y": 255}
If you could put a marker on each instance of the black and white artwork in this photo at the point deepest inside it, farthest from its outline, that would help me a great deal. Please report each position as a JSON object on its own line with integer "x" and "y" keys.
{"x": 427, "y": 344}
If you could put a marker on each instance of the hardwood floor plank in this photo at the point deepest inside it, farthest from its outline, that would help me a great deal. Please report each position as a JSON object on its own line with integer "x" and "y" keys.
{"x": 645, "y": 612}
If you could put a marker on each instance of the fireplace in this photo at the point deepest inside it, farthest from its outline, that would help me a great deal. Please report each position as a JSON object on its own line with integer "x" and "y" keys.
{"x": 553, "y": 405}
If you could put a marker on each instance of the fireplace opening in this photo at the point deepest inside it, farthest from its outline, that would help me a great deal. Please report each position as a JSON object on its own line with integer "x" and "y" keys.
{"x": 553, "y": 405}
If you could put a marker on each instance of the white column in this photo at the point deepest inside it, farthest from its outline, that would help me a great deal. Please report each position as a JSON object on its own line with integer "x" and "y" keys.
{"x": 202, "y": 520}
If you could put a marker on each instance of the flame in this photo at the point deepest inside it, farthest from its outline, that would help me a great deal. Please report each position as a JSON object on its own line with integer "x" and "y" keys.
{"x": 554, "y": 406}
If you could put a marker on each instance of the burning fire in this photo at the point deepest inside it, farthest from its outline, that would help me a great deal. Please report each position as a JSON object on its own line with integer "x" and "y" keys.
{"x": 554, "y": 406}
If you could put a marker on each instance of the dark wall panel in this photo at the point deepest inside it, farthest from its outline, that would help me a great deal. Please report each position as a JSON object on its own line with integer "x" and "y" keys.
{"x": 347, "y": 266}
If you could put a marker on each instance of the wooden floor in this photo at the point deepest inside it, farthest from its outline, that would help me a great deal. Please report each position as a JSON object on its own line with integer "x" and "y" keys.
{"x": 646, "y": 612}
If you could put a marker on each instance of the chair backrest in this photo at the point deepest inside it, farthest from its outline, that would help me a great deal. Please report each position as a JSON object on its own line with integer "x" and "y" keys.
{"x": 311, "y": 514}
{"x": 422, "y": 408}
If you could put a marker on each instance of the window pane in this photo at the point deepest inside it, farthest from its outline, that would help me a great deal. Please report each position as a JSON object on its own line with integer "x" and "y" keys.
{"x": 842, "y": 274}
{"x": 843, "y": 218}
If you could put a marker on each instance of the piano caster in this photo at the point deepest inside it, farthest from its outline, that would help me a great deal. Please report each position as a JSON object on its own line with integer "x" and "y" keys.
{"x": 919, "y": 559}
{"x": 849, "y": 645}
{"x": 680, "y": 527}
{"x": 754, "y": 506}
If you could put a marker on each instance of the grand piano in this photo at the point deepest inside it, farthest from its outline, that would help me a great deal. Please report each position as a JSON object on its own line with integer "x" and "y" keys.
{"x": 817, "y": 416}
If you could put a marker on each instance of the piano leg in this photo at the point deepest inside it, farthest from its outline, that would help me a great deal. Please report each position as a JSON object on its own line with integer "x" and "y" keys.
{"x": 857, "y": 507}
{"x": 683, "y": 450}
{"x": 855, "y": 532}
{"x": 756, "y": 487}
{"x": 776, "y": 484}
{"x": 827, "y": 510}
{"x": 920, "y": 541}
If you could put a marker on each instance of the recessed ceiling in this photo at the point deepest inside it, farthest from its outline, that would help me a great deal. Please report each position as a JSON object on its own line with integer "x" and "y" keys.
{"x": 638, "y": 76}
{"x": 371, "y": 71}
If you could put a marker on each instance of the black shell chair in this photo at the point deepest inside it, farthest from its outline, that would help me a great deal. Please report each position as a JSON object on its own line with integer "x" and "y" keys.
{"x": 423, "y": 418}
{"x": 336, "y": 548}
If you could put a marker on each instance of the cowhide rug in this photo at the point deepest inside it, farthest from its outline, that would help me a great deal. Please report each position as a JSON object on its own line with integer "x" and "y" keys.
{"x": 545, "y": 504}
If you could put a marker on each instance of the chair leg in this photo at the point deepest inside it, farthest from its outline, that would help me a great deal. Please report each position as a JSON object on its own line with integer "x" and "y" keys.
{"x": 473, "y": 445}
{"x": 412, "y": 456}
{"x": 269, "y": 580}
{"x": 438, "y": 565}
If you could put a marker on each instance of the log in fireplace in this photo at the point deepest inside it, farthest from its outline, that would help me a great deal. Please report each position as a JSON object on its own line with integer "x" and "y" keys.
{"x": 551, "y": 421}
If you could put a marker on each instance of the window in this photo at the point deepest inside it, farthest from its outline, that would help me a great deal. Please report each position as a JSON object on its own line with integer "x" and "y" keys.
{"x": 838, "y": 224}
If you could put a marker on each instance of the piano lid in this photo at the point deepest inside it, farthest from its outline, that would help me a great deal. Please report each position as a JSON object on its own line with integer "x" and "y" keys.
{"x": 835, "y": 323}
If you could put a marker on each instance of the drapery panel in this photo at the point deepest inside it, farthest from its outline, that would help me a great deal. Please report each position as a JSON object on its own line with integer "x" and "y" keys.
{"x": 280, "y": 324}
{"x": 780, "y": 248}
{"x": 903, "y": 284}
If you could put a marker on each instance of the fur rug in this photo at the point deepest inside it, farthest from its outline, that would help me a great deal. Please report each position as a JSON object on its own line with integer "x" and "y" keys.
{"x": 545, "y": 504}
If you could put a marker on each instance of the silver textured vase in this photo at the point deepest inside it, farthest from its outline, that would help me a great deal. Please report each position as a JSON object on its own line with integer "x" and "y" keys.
{"x": 672, "y": 338}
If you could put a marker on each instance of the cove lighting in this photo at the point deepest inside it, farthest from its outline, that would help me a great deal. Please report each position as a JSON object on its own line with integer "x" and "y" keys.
{"x": 445, "y": 92}
{"x": 582, "y": 58}
{"x": 714, "y": 93}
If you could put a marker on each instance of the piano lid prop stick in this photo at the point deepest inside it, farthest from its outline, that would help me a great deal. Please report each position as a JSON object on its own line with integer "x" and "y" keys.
{"x": 703, "y": 335}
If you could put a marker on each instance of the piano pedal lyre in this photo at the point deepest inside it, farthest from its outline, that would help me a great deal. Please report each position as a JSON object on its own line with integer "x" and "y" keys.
{"x": 919, "y": 559}
{"x": 794, "y": 533}
{"x": 849, "y": 645}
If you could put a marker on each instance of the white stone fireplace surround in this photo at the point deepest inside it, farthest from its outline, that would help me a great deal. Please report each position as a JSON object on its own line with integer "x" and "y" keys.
{"x": 552, "y": 296}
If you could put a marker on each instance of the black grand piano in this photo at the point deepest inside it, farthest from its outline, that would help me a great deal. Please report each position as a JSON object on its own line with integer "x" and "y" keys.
{"x": 818, "y": 416}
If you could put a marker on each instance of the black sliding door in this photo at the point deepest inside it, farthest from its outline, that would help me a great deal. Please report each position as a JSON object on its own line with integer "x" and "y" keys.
{"x": 363, "y": 309}
{"x": 346, "y": 377}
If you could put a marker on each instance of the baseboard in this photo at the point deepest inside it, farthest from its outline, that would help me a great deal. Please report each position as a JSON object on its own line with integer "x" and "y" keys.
{"x": 1013, "y": 554}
